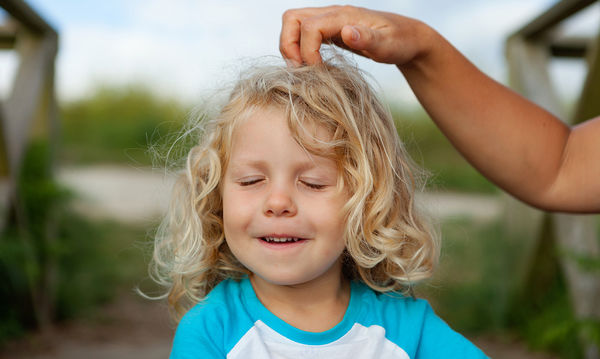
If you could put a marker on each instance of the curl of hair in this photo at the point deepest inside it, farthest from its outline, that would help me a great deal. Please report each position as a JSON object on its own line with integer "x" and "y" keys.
{"x": 389, "y": 244}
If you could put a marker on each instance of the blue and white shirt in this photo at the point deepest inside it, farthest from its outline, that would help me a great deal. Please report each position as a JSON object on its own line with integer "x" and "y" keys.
{"x": 232, "y": 323}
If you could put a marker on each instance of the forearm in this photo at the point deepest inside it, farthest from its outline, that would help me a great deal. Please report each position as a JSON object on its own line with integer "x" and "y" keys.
{"x": 513, "y": 142}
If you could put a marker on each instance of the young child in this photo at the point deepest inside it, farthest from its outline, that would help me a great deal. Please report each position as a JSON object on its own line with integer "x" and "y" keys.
{"x": 293, "y": 230}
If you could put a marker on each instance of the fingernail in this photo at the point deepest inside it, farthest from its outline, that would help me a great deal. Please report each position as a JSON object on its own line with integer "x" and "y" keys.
{"x": 355, "y": 34}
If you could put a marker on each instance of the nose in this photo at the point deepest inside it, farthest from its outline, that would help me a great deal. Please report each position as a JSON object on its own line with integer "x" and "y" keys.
{"x": 279, "y": 202}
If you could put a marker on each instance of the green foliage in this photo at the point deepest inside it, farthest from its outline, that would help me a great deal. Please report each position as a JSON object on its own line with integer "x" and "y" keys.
{"x": 117, "y": 125}
{"x": 26, "y": 246}
{"x": 587, "y": 263}
{"x": 431, "y": 149}
{"x": 542, "y": 311}
{"x": 49, "y": 252}
{"x": 471, "y": 287}
{"x": 551, "y": 325}
{"x": 480, "y": 287}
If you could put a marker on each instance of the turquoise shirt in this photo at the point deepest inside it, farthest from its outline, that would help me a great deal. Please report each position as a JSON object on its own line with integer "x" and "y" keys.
{"x": 232, "y": 323}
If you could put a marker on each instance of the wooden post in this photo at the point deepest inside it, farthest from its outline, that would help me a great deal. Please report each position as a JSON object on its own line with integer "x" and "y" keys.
{"x": 29, "y": 112}
{"x": 576, "y": 236}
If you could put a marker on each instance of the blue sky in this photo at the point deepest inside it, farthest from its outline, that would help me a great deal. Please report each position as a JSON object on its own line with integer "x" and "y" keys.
{"x": 183, "y": 48}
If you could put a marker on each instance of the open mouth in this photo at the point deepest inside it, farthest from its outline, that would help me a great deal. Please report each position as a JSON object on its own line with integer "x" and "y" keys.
{"x": 276, "y": 240}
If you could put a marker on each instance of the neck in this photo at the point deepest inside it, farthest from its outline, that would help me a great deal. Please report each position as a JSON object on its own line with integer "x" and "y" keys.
{"x": 314, "y": 306}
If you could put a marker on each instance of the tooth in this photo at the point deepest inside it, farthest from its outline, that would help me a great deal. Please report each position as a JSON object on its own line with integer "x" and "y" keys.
{"x": 281, "y": 240}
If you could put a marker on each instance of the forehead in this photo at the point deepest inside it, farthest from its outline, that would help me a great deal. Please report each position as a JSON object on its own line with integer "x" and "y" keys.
{"x": 266, "y": 133}
{"x": 306, "y": 130}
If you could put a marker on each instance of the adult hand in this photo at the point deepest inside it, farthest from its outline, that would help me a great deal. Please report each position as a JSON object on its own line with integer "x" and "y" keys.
{"x": 381, "y": 36}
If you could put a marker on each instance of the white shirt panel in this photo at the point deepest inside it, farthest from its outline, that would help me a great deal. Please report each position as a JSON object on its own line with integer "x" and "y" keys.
{"x": 262, "y": 342}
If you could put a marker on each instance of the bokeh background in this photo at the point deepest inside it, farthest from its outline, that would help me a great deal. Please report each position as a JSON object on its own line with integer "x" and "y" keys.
{"x": 128, "y": 76}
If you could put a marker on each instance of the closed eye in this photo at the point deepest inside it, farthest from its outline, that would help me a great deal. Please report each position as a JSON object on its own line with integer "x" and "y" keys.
{"x": 313, "y": 185}
{"x": 250, "y": 182}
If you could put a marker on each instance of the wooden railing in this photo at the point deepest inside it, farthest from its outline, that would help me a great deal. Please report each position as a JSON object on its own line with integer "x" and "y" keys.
{"x": 30, "y": 109}
{"x": 564, "y": 237}
{"x": 28, "y": 113}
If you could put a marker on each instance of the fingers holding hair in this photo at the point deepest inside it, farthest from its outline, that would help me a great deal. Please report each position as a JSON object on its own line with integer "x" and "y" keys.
{"x": 365, "y": 32}
{"x": 289, "y": 39}
{"x": 304, "y": 30}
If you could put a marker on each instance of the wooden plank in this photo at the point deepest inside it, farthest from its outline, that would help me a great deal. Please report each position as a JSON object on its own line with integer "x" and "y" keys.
{"x": 577, "y": 239}
{"x": 554, "y": 15}
{"x": 6, "y": 185}
{"x": 4, "y": 167}
{"x": 31, "y": 106}
{"x": 589, "y": 105}
{"x": 528, "y": 71}
{"x": 8, "y": 35}
{"x": 578, "y": 235}
{"x": 528, "y": 75}
{"x": 37, "y": 57}
{"x": 23, "y": 13}
{"x": 572, "y": 47}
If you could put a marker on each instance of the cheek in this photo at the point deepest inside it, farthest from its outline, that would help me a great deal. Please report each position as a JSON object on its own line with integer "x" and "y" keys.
{"x": 238, "y": 210}
{"x": 330, "y": 217}
{"x": 339, "y": 218}
{"x": 229, "y": 207}
{"x": 238, "y": 203}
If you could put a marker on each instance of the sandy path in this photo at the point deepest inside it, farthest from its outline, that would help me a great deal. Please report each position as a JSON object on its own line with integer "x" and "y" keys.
{"x": 129, "y": 327}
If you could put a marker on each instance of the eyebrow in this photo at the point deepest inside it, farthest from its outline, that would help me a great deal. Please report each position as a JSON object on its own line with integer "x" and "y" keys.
{"x": 245, "y": 162}
{"x": 242, "y": 162}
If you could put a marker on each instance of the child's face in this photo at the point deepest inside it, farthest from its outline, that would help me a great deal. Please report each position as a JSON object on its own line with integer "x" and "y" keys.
{"x": 281, "y": 208}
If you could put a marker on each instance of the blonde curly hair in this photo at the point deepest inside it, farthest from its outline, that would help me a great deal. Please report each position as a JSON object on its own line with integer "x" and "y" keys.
{"x": 389, "y": 245}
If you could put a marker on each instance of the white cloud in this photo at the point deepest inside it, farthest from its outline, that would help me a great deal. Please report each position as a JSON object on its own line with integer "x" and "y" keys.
{"x": 178, "y": 47}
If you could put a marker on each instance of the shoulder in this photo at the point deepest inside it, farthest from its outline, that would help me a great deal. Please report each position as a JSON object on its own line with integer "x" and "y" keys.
{"x": 215, "y": 309}
{"x": 393, "y": 309}
{"x": 221, "y": 296}
{"x": 214, "y": 324}
{"x": 412, "y": 324}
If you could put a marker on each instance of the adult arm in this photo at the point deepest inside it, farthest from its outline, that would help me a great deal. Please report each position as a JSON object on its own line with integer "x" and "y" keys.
{"x": 519, "y": 146}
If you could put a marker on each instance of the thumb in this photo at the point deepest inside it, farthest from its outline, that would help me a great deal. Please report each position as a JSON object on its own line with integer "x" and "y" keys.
{"x": 357, "y": 37}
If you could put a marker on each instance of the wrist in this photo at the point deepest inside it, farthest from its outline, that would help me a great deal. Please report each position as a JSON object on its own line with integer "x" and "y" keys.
{"x": 426, "y": 41}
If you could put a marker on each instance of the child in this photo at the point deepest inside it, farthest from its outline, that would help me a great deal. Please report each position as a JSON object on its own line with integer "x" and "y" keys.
{"x": 293, "y": 229}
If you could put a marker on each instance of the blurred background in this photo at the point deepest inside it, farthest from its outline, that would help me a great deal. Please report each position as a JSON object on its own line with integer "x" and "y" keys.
{"x": 86, "y": 180}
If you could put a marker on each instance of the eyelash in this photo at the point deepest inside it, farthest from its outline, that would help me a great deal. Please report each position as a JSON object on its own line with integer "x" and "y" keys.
{"x": 250, "y": 182}
{"x": 307, "y": 184}
{"x": 313, "y": 186}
